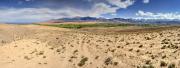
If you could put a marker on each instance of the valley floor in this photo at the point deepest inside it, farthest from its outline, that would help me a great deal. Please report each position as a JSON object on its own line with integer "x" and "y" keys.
{"x": 34, "y": 46}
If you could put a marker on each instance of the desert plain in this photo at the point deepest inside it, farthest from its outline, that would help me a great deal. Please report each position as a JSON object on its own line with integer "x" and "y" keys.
{"x": 36, "y": 46}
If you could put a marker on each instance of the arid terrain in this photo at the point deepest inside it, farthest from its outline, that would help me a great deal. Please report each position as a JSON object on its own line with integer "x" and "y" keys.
{"x": 35, "y": 46}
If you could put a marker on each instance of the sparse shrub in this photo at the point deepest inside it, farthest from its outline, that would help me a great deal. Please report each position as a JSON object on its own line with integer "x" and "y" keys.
{"x": 41, "y": 53}
{"x": 57, "y": 38}
{"x": 163, "y": 56}
{"x": 175, "y": 51}
{"x": 107, "y": 45}
{"x": 58, "y": 50}
{"x": 178, "y": 35}
{"x": 137, "y": 42}
{"x": 51, "y": 48}
{"x": 44, "y": 56}
{"x": 148, "y": 66}
{"x": 39, "y": 63}
{"x": 148, "y": 62}
{"x": 88, "y": 41}
{"x": 165, "y": 41}
{"x": 131, "y": 49}
{"x": 118, "y": 46}
{"x": 174, "y": 46}
{"x": 163, "y": 64}
{"x": 138, "y": 50}
{"x": 71, "y": 45}
{"x": 153, "y": 56}
{"x": 110, "y": 41}
{"x": 27, "y": 58}
{"x": 75, "y": 51}
{"x": 171, "y": 66}
{"x": 108, "y": 61}
{"x": 163, "y": 47}
{"x": 171, "y": 46}
{"x": 147, "y": 38}
{"x": 3, "y": 41}
{"x": 115, "y": 63}
{"x": 151, "y": 46}
{"x": 45, "y": 63}
{"x": 73, "y": 57}
{"x": 127, "y": 43}
{"x": 113, "y": 50}
{"x": 96, "y": 57}
{"x": 70, "y": 60}
{"x": 83, "y": 61}
{"x": 148, "y": 52}
{"x": 140, "y": 46}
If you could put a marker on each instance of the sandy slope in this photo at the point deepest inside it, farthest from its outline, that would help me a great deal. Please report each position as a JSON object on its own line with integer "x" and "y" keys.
{"x": 32, "y": 46}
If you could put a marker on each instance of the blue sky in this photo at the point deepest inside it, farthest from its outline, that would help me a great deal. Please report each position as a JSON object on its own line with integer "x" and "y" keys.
{"x": 42, "y": 10}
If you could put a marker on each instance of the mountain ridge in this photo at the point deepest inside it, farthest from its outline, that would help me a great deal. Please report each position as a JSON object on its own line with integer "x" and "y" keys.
{"x": 116, "y": 20}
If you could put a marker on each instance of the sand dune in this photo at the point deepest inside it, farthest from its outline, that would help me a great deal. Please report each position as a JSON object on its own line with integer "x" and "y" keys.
{"x": 33, "y": 46}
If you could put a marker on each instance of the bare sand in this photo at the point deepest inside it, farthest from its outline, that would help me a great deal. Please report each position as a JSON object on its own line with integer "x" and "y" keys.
{"x": 34, "y": 46}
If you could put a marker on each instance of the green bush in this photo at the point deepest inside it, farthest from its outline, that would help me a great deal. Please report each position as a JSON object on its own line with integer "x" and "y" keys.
{"x": 78, "y": 26}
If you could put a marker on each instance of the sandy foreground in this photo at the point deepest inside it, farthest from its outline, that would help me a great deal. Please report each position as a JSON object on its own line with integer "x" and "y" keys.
{"x": 33, "y": 46}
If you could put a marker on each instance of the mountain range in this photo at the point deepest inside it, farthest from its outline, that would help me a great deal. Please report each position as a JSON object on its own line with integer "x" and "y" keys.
{"x": 117, "y": 20}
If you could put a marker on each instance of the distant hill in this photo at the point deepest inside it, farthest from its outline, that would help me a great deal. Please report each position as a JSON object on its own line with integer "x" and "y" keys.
{"x": 90, "y": 19}
{"x": 116, "y": 20}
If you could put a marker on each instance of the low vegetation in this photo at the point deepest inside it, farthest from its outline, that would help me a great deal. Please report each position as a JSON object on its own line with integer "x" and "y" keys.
{"x": 78, "y": 26}
{"x": 83, "y": 61}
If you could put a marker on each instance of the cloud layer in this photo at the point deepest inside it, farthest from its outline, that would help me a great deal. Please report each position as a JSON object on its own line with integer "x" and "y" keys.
{"x": 151, "y": 15}
{"x": 41, "y": 14}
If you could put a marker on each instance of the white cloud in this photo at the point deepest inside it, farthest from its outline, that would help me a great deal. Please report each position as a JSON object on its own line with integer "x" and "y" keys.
{"x": 121, "y": 3}
{"x": 142, "y": 13}
{"x": 150, "y": 15}
{"x": 34, "y": 14}
{"x": 100, "y": 9}
{"x": 41, "y": 14}
{"x": 146, "y": 1}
